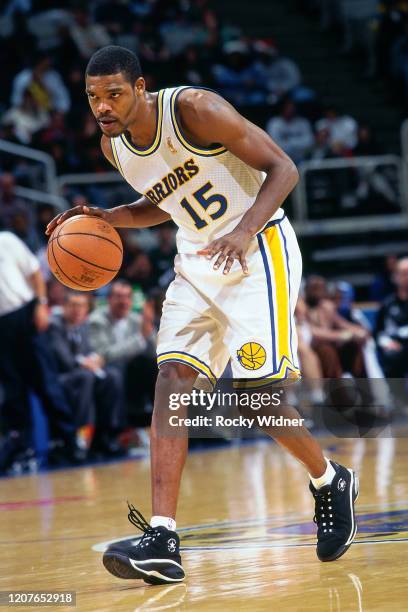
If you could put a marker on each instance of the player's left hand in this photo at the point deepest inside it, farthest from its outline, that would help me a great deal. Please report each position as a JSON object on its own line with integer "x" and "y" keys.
{"x": 230, "y": 247}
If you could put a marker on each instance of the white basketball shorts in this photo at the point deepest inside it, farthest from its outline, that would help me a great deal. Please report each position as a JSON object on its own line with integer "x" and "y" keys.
{"x": 210, "y": 318}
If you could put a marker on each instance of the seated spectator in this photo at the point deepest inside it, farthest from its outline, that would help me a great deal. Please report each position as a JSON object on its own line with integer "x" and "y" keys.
{"x": 321, "y": 148}
{"x": 238, "y": 78}
{"x": 383, "y": 284}
{"x": 309, "y": 361}
{"x": 94, "y": 391}
{"x": 343, "y": 130}
{"x": 392, "y": 326}
{"x": 337, "y": 342}
{"x": 26, "y": 119}
{"x": 162, "y": 257}
{"x": 45, "y": 85}
{"x": 281, "y": 74}
{"x": 292, "y": 133}
{"x": 126, "y": 340}
{"x": 88, "y": 37}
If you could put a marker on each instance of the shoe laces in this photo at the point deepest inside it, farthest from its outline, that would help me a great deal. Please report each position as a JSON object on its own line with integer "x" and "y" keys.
{"x": 324, "y": 515}
{"x": 138, "y": 520}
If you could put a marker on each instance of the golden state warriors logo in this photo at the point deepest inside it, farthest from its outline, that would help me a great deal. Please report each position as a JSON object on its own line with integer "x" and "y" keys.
{"x": 251, "y": 356}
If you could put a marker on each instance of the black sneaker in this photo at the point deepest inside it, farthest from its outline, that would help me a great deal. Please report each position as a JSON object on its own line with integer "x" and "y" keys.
{"x": 155, "y": 558}
{"x": 334, "y": 514}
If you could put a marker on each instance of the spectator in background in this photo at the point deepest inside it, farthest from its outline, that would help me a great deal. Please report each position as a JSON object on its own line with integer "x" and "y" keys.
{"x": 238, "y": 77}
{"x": 383, "y": 284}
{"x": 125, "y": 340}
{"x": 321, "y": 148}
{"x": 309, "y": 360}
{"x": 281, "y": 74}
{"x": 337, "y": 342}
{"x": 25, "y": 360}
{"x": 392, "y": 326}
{"x": 44, "y": 84}
{"x": 343, "y": 130}
{"x": 140, "y": 271}
{"x": 21, "y": 225}
{"x": 26, "y": 119}
{"x": 292, "y": 133}
{"x": 95, "y": 393}
{"x": 9, "y": 201}
{"x": 88, "y": 37}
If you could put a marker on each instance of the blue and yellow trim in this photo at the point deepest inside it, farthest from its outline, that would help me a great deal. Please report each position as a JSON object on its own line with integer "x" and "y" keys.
{"x": 116, "y": 156}
{"x": 186, "y": 358}
{"x": 286, "y": 371}
{"x": 204, "y": 151}
{"x": 157, "y": 139}
{"x": 272, "y": 241}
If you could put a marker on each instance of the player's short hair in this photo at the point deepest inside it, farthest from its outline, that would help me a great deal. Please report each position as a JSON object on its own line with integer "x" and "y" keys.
{"x": 113, "y": 59}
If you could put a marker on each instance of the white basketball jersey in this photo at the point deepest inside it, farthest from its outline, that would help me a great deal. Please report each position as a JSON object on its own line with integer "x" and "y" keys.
{"x": 205, "y": 190}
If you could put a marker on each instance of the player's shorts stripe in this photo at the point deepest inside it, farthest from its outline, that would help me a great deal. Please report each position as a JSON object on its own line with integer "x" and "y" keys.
{"x": 285, "y": 371}
{"x": 116, "y": 156}
{"x": 270, "y": 297}
{"x": 282, "y": 306}
{"x": 182, "y": 357}
{"x": 205, "y": 151}
{"x": 285, "y": 246}
{"x": 157, "y": 139}
{"x": 273, "y": 222}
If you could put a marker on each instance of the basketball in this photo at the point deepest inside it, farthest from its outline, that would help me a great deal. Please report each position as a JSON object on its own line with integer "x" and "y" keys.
{"x": 85, "y": 252}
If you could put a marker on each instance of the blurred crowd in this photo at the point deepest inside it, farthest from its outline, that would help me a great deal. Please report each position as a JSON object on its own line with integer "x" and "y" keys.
{"x": 376, "y": 28}
{"x": 178, "y": 41}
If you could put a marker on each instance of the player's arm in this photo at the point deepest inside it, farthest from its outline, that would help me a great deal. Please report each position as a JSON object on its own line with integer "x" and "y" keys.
{"x": 141, "y": 213}
{"x": 208, "y": 118}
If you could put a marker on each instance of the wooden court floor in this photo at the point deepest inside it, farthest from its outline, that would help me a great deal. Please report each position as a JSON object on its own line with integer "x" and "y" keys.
{"x": 245, "y": 520}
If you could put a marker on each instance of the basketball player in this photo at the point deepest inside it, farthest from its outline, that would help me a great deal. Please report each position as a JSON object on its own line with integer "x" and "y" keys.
{"x": 222, "y": 180}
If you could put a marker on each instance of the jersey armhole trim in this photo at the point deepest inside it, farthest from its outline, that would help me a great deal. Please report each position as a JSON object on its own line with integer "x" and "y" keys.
{"x": 116, "y": 156}
{"x": 193, "y": 148}
{"x": 157, "y": 139}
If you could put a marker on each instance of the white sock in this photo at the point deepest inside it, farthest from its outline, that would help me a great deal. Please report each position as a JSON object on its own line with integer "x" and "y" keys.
{"x": 163, "y": 521}
{"x": 326, "y": 478}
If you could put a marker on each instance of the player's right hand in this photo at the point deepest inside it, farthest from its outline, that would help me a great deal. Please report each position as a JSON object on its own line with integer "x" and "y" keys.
{"x": 77, "y": 210}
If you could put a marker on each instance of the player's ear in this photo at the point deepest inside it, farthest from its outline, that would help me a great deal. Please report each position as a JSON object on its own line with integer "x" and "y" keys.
{"x": 140, "y": 86}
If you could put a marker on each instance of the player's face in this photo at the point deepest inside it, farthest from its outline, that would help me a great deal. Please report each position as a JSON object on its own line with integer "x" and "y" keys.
{"x": 113, "y": 101}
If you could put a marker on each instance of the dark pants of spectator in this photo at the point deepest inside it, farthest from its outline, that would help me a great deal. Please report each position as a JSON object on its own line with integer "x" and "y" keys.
{"x": 26, "y": 363}
{"x": 395, "y": 364}
{"x": 140, "y": 382}
{"x": 96, "y": 401}
{"x": 335, "y": 360}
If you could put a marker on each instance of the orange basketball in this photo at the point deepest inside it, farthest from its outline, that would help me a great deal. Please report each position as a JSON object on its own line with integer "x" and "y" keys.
{"x": 85, "y": 252}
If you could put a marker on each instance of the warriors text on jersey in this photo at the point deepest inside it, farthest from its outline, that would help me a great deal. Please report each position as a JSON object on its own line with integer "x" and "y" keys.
{"x": 208, "y": 317}
{"x": 205, "y": 190}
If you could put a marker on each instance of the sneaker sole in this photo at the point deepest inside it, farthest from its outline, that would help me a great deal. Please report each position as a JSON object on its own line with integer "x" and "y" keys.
{"x": 122, "y": 567}
{"x": 343, "y": 549}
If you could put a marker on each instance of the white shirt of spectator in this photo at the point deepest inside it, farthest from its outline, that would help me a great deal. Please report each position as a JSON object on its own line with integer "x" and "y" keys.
{"x": 294, "y": 136}
{"x": 120, "y": 329}
{"x": 17, "y": 264}
{"x": 342, "y": 130}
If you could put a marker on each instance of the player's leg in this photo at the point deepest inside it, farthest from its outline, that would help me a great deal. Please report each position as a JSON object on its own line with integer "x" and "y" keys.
{"x": 268, "y": 354}
{"x": 168, "y": 449}
{"x": 188, "y": 334}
